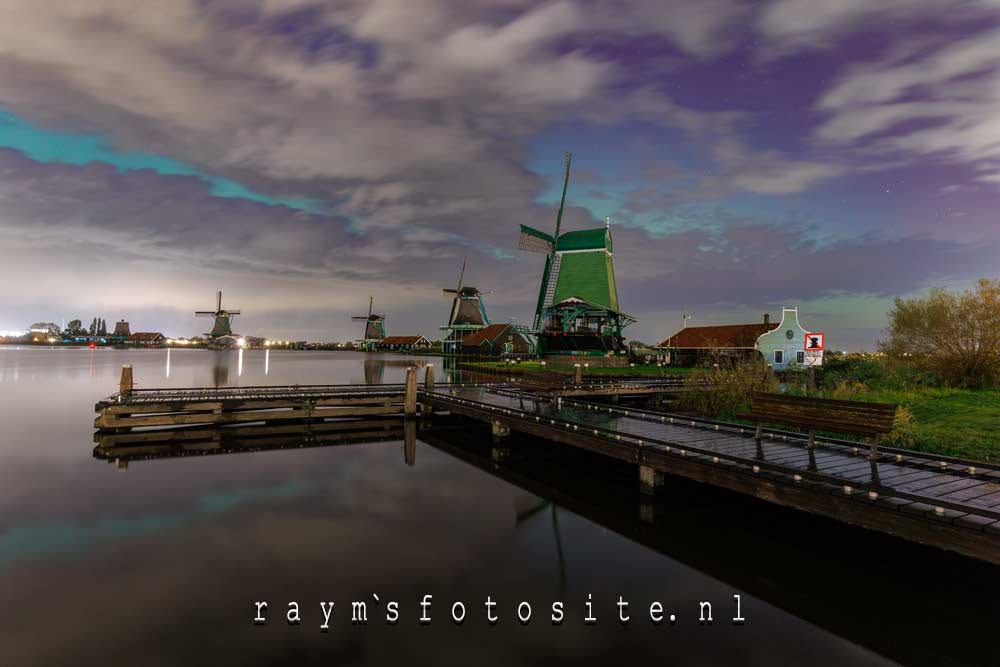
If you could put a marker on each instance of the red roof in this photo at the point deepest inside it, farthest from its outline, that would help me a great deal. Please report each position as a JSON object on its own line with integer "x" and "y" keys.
{"x": 486, "y": 334}
{"x": 725, "y": 335}
{"x": 146, "y": 335}
{"x": 403, "y": 340}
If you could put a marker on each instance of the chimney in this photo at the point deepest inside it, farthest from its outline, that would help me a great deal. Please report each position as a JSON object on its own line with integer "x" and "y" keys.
{"x": 767, "y": 318}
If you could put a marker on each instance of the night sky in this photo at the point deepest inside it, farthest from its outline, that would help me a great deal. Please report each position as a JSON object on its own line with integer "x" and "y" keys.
{"x": 300, "y": 156}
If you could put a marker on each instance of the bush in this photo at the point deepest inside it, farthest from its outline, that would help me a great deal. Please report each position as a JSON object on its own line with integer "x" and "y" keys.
{"x": 904, "y": 432}
{"x": 849, "y": 390}
{"x": 729, "y": 390}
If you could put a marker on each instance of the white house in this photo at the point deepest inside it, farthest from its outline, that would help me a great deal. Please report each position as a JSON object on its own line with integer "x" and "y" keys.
{"x": 785, "y": 345}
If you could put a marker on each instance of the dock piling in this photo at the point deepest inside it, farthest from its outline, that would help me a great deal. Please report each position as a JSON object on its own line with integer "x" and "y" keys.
{"x": 410, "y": 397}
{"x": 650, "y": 479}
{"x": 429, "y": 378}
{"x": 125, "y": 383}
{"x": 577, "y": 374}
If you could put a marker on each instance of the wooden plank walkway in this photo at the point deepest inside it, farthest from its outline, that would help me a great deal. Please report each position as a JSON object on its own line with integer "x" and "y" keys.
{"x": 133, "y": 408}
{"x": 948, "y": 502}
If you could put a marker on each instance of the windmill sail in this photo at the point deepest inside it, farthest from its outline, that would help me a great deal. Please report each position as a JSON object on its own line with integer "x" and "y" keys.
{"x": 533, "y": 240}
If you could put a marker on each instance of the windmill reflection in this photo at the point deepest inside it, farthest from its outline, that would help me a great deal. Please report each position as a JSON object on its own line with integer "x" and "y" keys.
{"x": 374, "y": 371}
{"x": 220, "y": 370}
{"x": 538, "y": 509}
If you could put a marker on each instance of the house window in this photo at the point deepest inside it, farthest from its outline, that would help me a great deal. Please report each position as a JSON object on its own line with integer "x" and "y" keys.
{"x": 779, "y": 356}
{"x": 800, "y": 357}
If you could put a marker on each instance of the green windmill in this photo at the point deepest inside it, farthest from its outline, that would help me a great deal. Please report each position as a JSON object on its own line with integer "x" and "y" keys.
{"x": 577, "y": 309}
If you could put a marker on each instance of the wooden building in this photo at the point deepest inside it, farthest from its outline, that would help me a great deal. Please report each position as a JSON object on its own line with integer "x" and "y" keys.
{"x": 785, "y": 346}
{"x": 781, "y": 345}
{"x": 396, "y": 343}
{"x": 499, "y": 339}
{"x": 693, "y": 345}
{"x": 146, "y": 339}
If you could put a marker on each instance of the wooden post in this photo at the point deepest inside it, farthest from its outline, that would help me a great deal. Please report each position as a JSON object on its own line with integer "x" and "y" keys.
{"x": 812, "y": 439}
{"x": 758, "y": 434}
{"x": 650, "y": 479}
{"x": 577, "y": 374}
{"x": 410, "y": 399}
{"x": 429, "y": 378}
{"x": 125, "y": 383}
{"x": 873, "y": 454}
{"x": 811, "y": 378}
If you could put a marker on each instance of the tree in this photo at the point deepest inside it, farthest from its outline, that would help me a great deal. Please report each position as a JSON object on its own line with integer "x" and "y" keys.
{"x": 954, "y": 335}
{"x": 102, "y": 327}
{"x": 93, "y": 327}
{"x": 47, "y": 327}
{"x": 74, "y": 327}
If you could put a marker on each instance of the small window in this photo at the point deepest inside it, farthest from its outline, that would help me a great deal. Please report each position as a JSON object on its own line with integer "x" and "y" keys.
{"x": 800, "y": 357}
{"x": 779, "y": 356}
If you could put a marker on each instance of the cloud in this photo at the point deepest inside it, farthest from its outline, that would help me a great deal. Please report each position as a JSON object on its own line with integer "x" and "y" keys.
{"x": 796, "y": 25}
{"x": 935, "y": 102}
{"x": 411, "y": 127}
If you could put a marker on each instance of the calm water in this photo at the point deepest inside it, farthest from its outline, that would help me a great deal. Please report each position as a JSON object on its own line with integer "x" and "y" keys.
{"x": 161, "y": 564}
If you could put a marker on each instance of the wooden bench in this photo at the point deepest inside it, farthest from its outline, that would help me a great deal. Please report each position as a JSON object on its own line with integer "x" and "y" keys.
{"x": 543, "y": 380}
{"x": 822, "y": 414}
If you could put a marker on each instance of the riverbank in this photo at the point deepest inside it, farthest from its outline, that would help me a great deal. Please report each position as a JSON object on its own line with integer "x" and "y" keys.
{"x": 528, "y": 367}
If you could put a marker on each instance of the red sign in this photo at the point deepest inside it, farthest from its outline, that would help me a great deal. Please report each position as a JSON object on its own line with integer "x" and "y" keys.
{"x": 814, "y": 342}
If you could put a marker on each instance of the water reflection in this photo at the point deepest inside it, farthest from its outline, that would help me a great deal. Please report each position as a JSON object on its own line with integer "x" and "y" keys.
{"x": 806, "y": 567}
{"x": 161, "y": 564}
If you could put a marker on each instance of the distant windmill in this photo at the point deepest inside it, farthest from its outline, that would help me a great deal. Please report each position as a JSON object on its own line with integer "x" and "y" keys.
{"x": 222, "y": 317}
{"x": 468, "y": 313}
{"x": 374, "y": 326}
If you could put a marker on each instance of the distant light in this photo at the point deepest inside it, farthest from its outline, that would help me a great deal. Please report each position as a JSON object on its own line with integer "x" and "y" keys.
{"x": 241, "y": 342}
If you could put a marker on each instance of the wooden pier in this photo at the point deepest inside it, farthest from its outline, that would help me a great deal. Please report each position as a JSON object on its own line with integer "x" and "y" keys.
{"x": 132, "y": 408}
{"x": 946, "y": 502}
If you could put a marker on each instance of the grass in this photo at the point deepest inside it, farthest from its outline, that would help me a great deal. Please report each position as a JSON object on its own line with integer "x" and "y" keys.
{"x": 931, "y": 417}
{"x": 954, "y": 422}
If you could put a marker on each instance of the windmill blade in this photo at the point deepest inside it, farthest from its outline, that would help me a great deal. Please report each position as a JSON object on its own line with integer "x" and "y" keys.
{"x": 461, "y": 275}
{"x": 371, "y": 302}
{"x": 204, "y": 313}
{"x": 232, "y": 312}
{"x": 360, "y": 318}
{"x": 448, "y": 290}
{"x": 218, "y": 300}
{"x": 532, "y": 240}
